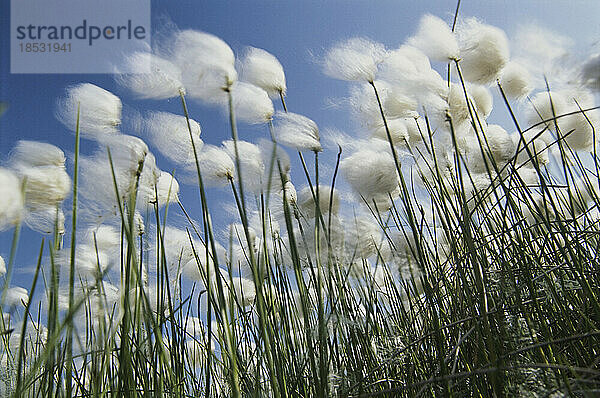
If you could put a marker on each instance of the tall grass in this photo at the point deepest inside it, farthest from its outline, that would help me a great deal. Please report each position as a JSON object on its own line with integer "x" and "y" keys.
{"x": 496, "y": 295}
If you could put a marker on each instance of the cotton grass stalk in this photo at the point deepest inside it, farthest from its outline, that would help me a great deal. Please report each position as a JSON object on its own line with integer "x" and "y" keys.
{"x": 263, "y": 70}
{"x": 162, "y": 81}
{"x": 484, "y": 51}
{"x": 355, "y": 59}
{"x": 99, "y": 110}
{"x": 435, "y": 38}
{"x": 170, "y": 135}
{"x": 296, "y": 131}
{"x": 11, "y": 206}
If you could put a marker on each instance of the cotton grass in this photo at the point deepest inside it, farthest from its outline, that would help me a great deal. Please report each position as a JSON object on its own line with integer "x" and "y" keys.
{"x": 216, "y": 165}
{"x": 515, "y": 80}
{"x": 162, "y": 81}
{"x": 355, "y": 59}
{"x": 99, "y": 110}
{"x": 435, "y": 39}
{"x": 11, "y": 206}
{"x": 296, "y": 131}
{"x": 251, "y": 103}
{"x": 207, "y": 64}
{"x": 170, "y": 134}
{"x": 370, "y": 173}
{"x": 263, "y": 70}
{"x": 484, "y": 51}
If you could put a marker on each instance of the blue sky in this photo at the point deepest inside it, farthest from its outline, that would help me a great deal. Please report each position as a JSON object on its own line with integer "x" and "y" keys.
{"x": 297, "y": 32}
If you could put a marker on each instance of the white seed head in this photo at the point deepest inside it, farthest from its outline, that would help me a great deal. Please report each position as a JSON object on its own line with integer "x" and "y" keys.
{"x": 290, "y": 192}
{"x": 355, "y": 59}
{"x": 482, "y": 98}
{"x": 398, "y": 131}
{"x": 207, "y": 64}
{"x": 296, "y": 131}
{"x": 275, "y": 158}
{"x": 128, "y": 153}
{"x": 106, "y": 237}
{"x": 363, "y": 237}
{"x": 404, "y": 62}
{"x": 252, "y": 168}
{"x": 34, "y": 153}
{"x": 537, "y": 141}
{"x": 590, "y": 72}
{"x": 263, "y": 70}
{"x": 44, "y": 219}
{"x": 99, "y": 110}
{"x": 164, "y": 79}
{"x": 500, "y": 143}
{"x": 395, "y": 103}
{"x": 251, "y": 103}
{"x": 577, "y": 130}
{"x": 416, "y": 128}
{"x": 178, "y": 249}
{"x": 16, "y": 296}
{"x": 216, "y": 165}
{"x": 89, "y": 262}
{"x": 2, "y": 266}
{"x": 45, "y": 185}
{"x": 457, "y": 104}
{"x": 167, "y": 188}
{"x": 169, "y": 133}
{"x": 242, "y": 290}
{"x": 435, "y": 38}
{"x": 11, "y": 205}
{"x": 306, "y": 201}
{"x": 197, "y": 271}
{"x": 370, "y": 173}
{"x": 515, "y": 80}
{"x": 483, "y": 51}
{"x": 409, "y": 70}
